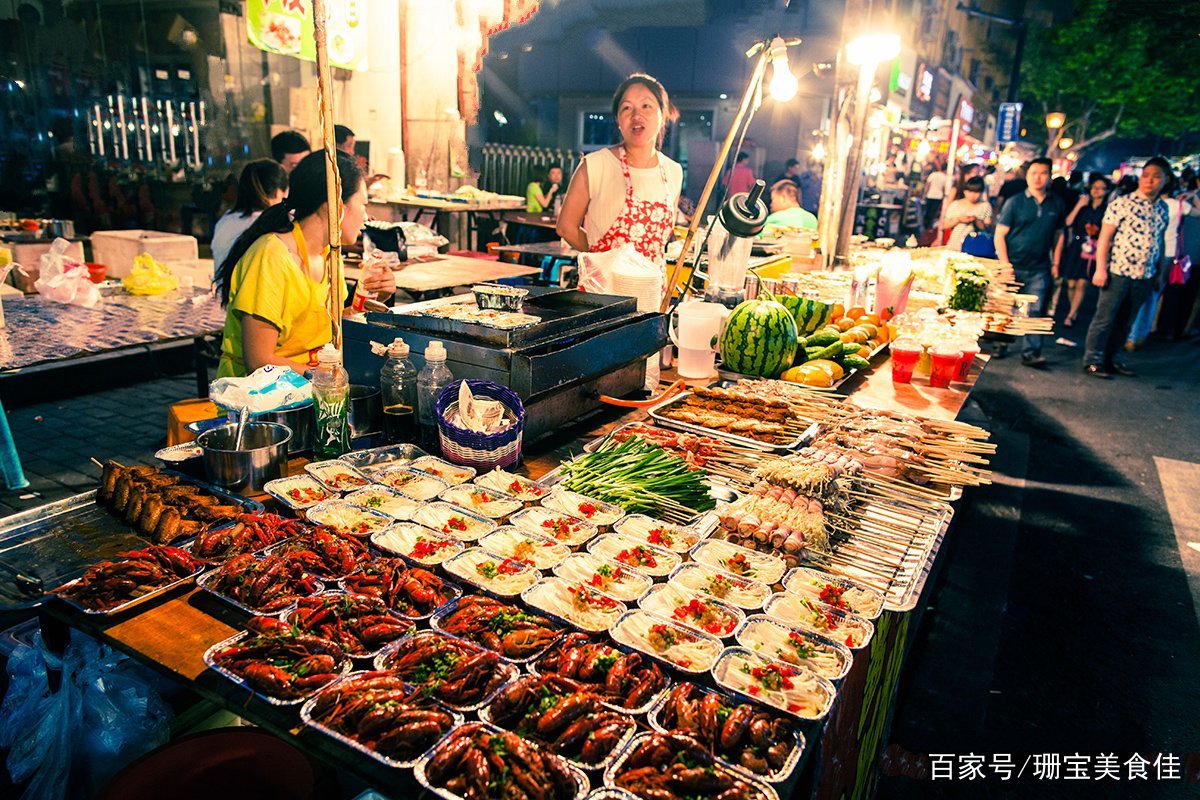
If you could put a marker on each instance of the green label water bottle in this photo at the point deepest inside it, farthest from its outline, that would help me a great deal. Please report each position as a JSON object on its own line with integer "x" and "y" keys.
{"x": 331, "y": 404}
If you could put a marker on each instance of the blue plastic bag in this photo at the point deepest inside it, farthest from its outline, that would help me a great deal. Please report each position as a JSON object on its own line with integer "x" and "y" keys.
{"x": 70, "y": 742}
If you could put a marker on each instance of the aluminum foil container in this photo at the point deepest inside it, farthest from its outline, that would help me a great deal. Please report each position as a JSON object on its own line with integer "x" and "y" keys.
{"x": 540, "y": 596}
{"x": 454, "y": 589}
{"x": 750, "y": 635}
{"x": 290, "y": 614}
{"x": 209, "y": 660}
{"x": 726, "y": 670}
{"x": 498, "y": 297}
{"x": 438, "y": 620}
{"x": 207, "y": 580}
{"x": 762, "y": 791}
{"x": 508, "y": 671}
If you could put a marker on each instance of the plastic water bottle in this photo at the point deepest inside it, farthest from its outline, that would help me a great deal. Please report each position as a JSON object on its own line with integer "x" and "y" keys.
{"x": 398, "y": 388}
{"x": 433, "y": 378}
{"x": 331, "y": 404}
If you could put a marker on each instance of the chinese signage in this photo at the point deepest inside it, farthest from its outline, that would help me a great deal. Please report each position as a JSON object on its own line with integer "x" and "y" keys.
{"x": 924, "y": 84}
{"x": 285, "y": 27}
{"x": 1008, "y": 128}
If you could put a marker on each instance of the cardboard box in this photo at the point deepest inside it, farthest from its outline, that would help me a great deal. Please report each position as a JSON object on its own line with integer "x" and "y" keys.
{"x": 117, "y": 249}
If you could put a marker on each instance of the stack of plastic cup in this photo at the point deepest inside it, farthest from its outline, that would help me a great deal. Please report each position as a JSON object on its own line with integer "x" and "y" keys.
{"x": 969, "y": 348}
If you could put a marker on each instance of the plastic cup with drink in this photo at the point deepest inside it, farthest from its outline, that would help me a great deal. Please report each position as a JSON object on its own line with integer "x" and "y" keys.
{"x": 944, "y": 361}
{"x": 905, "y": 353}
{"x": 969, "y": 348}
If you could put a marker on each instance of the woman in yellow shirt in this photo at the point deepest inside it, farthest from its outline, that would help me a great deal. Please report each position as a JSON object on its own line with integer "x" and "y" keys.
{"x": 271, "y": 281}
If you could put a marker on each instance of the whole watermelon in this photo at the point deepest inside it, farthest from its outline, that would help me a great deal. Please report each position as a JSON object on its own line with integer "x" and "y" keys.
{"x": 759, "y": 339}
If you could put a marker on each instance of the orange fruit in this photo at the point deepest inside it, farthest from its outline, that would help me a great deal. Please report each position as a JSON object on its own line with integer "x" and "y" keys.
{"x": 854, "y": 312}
{"x": 871, "y": 318}
{"x": 839, "y": 311}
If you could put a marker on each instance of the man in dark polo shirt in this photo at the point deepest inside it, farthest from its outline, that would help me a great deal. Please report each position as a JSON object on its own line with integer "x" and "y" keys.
{"x": 1029, "y": 235}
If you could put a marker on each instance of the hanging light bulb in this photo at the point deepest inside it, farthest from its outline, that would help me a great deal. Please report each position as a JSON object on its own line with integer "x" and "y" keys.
{"x": 783, "y": 83}
{"x": 818, "y": 151}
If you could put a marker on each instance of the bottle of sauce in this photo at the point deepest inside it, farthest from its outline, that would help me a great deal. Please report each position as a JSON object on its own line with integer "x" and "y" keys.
{"x": 398, "y": 389}
{"x": 434, "y": 377}
{"x": 331, "y": 404}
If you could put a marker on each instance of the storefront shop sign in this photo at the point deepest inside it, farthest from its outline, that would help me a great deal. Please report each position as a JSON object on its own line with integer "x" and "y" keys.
{"x": 285, "y": 27}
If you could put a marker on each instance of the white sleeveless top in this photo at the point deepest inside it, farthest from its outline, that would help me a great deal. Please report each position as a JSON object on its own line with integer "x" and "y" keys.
{"x": 606, "y": 188}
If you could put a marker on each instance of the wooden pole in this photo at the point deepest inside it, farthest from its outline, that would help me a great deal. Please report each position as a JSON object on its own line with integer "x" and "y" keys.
{"x": 755, "y": 81}
{"x": 333, "y": 275}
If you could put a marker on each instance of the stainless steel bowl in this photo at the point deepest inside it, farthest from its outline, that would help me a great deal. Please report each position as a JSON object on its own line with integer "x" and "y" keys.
{"x": 366, "y": 410}
{"x": 263, "y": 456}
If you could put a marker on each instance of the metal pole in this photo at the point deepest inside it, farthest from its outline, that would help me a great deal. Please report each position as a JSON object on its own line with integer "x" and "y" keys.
{"x": 333, "y": 183}
{"x": 755, "y": 79}
{"x": 862, "y": 103}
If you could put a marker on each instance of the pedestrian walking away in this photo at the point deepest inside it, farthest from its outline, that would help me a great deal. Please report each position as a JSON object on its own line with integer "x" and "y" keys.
{"x": 1127, "y": 255}
{"x": 1029, "y": 235}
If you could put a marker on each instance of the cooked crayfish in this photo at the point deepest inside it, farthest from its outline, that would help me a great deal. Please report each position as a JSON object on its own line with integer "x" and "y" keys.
{"x": 112, "y": 583}
{"x": 249, "y": 533}
{"x": 264, "y": 584}
{"x": 326, "y": 553}
{"x": 477, "y": 764}
{"x": 674, "y": 766}
{"x": 413, "y": 591}
{"x": 561, "y": 713}
{"x": 282, "y": 663}
{"x": 377, "y": 711}
{"x": 455, "y": 672}
{"x": 744, "y": 734}
{"x": 360, "y": 624}
{"x": 500, "y": 626}
{"x": 626, "y": 679}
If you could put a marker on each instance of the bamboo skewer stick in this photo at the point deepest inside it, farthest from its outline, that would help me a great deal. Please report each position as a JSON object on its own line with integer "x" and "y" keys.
{"x": 334, "y": 279}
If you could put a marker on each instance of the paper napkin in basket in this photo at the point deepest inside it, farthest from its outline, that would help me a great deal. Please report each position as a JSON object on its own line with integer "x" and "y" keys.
{"x": 480, "y": 414}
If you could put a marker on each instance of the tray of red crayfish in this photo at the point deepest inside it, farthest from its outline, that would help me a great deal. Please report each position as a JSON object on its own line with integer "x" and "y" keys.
{"x": 260, "y": 584}
{"x": 676, "y": 766}
{"x": 502, "y": 627}
{"x": 413, "y": 592}
{"x": 627, "y": 681}
{"x": 248, "y": 533}
{"x": 324, "y": 552}
{"x": 750, "y": 736}
{"x": 458, "y": 673}
{"x": 138, "y": 576}
{"x": 563, "y": 717}
{"x": 362, "y": 625}
{"x": 380, "y": 715}
{"x": 470, "y": 762}
{"x": 282, "y": 666}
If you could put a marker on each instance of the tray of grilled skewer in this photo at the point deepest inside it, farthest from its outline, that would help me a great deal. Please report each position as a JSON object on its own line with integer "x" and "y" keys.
{"x": 754, "y": 422}
{"x": 46, "y": 547}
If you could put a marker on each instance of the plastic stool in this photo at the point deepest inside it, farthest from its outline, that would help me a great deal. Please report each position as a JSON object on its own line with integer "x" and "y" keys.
{"x": 10, "y": 460}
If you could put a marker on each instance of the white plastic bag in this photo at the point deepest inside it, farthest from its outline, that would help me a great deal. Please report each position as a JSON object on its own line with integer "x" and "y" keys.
{"x": 65, "y": 280}
{"x": 269, "y": 388}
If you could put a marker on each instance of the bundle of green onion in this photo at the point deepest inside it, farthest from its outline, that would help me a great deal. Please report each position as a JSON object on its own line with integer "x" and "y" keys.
{"x": 641, "y": 478}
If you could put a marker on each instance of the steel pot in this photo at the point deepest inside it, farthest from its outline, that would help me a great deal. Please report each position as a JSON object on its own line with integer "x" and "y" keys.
{"x": 299, "y": 420}
{"x": 263, "y": 457}
{"x": 366, "y": 410}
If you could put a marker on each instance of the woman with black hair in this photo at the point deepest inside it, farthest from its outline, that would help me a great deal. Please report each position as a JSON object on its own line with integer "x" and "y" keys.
{"x": 272, "y": 282}
{"x": 263, "y": 184}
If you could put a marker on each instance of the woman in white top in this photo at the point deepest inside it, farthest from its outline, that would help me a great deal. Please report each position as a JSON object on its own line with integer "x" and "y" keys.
{"x": 263, "y": 183}
{"x": 967, "y": 214}
{"x": 627, "y": 194}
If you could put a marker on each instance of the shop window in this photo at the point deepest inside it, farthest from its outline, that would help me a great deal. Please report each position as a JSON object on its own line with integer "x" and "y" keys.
{"x": 597, "y": 129}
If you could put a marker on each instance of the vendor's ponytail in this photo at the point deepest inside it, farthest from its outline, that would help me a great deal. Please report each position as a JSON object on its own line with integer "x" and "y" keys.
{"x": 306, "y": 196}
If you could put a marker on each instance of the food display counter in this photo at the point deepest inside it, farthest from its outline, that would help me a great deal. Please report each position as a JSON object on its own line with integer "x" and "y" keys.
{"x": 709, "y": 624}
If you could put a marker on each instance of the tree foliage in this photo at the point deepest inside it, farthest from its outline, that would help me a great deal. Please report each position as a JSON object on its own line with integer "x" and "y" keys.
{"x": 1118, "y": 67}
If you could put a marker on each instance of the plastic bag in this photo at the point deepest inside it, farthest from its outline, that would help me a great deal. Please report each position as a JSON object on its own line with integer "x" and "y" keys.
{"x": 269, "y": 388}
{"x": 149, "y": 277}
{"x": 70, "y": 742}
{"x": 65, "y": 280}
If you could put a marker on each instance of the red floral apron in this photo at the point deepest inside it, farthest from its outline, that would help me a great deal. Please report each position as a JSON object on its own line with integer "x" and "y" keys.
{"x": 644, "y": 224}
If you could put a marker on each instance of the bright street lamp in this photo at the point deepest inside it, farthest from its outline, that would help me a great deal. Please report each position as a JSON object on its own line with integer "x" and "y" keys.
{"x": 1055, "y": 119}
{"x": 873, "y": 48}
{"x": 1065, "y": 143}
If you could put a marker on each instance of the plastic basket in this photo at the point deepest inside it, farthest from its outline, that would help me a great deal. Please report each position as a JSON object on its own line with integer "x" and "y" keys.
{"x": 480, "y": 450}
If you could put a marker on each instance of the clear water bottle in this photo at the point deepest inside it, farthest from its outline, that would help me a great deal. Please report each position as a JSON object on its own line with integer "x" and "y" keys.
{"x": 331, "y": 404}
{"x": 398, "y": 388}
{"x": 433, "y": 378}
